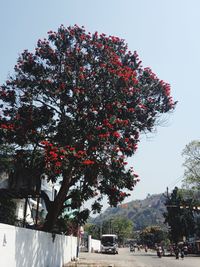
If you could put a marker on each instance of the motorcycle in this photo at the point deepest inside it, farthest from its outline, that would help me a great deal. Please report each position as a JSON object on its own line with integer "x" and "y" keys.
{"x": 132, "y": 249}
{"x": 159, "y": 252}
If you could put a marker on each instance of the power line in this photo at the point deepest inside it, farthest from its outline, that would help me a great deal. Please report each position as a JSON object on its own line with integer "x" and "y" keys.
{"x": 175, "y": 182}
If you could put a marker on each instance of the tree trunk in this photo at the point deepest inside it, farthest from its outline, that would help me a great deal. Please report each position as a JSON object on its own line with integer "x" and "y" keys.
{"x": 57, "y": 205}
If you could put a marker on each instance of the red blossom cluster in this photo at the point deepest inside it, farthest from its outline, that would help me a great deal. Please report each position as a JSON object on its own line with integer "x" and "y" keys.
{"x": 116, "y": 134}
{"x": 126, "y": 73}
{"x": 117, "y": 195}
{"x": 7, "y": 126}
{"x": 56, "y": 156}
{"x": 88, "y": 162}
{"x": 104, "y": 135}
{"x": 121, "y": 122}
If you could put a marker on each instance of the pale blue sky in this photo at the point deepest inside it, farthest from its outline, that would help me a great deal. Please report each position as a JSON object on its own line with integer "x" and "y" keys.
{"x": 165, "y": 33}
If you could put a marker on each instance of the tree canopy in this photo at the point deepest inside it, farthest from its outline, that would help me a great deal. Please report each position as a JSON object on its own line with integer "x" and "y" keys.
{"x": 120, "y": 226}
{"x": 192, "y": 164}
{"x": 152, "y": 235}
{"x": 74, "y": 110}
{"x": 123, "y": 227}
{"x": 179, "y": 215}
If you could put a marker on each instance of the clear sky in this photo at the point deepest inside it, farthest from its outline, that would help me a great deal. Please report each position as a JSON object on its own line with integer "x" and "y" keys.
{"x": 166, "y": 35}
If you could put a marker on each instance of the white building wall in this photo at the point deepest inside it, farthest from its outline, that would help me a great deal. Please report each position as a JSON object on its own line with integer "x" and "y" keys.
{"x": 94, "y": 245}
{"x": 20, "y": 247}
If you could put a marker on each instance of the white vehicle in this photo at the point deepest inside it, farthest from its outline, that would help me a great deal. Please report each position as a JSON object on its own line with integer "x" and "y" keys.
{"x": 109, "y": 244}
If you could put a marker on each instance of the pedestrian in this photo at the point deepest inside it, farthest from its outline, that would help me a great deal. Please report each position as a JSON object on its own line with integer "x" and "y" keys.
{"x": 182, "y": 253}
{"x": 176, "y": 251}
{"x": 132, "y": 248}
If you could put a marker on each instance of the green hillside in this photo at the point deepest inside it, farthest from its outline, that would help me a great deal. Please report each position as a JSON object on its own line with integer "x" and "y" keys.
{"x": 142, "y": 213}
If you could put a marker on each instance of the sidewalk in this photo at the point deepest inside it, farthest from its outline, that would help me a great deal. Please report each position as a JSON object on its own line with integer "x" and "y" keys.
{"x": 90, "y": 260}
{"x": 102, "y": 260}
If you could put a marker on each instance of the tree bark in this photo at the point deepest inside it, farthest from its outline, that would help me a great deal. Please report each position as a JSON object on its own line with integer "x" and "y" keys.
{"x": 57, "y": 205}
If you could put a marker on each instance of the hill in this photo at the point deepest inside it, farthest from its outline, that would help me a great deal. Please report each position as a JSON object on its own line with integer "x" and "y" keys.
{"x": 142, "y": 213}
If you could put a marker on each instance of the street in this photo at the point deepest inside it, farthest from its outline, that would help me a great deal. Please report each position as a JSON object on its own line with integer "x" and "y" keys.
{"x": 150, "y": 259}
{"x": 134, "y": 259}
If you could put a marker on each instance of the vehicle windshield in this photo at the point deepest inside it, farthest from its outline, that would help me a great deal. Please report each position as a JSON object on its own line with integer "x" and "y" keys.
{"x": 108, "y": 240}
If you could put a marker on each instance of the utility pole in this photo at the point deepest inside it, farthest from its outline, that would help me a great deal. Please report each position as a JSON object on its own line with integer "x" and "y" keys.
{"x": 101, "y": 226}
{"x": 37, "y": 210}
{"x": 167, "y": 192}
{"x": 25, "y": 211}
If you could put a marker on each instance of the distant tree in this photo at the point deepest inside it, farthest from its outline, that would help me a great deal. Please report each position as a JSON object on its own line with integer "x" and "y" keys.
{"x": 93, "y": 230}
{"x": 152, "y": 235}
{"x": 123, "y": 227}
{"x": 120, "y": 226}
{"x": 192, "y": 164}
{"x": 75, "y": 109}
{"x": 179, "y": 215}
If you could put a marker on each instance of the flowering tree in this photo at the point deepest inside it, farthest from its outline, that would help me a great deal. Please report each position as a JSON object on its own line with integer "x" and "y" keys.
{"x": 74, "y": 110}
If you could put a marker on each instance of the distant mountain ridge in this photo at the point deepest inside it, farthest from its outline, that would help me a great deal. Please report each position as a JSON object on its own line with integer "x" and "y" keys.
{"x": 142, "y": 213}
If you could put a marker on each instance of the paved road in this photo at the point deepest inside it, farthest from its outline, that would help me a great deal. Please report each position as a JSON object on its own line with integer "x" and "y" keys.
{"x": 151, "y": 260}
{"x": 137, "y": 259}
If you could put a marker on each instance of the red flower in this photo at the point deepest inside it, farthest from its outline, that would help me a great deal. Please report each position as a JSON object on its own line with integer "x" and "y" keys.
{"x": 104, "y": 135}
{"x": 131, "y": 109}
{"x": 88, "y": 162}
{"x": 58, "y": 164}
{"x": 53, "y": 154}
{"x": 44, "y": 143}
{"x": 9, "y": 126}
{"x": 116, "y": 134}
{"x": 80, "y": 154}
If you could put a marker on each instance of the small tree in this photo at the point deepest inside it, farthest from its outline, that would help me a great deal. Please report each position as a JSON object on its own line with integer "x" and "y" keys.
{"x": 123, "y": 228}
{"x": 75, "y": 109}
{"x": 93, "y": 229}
{"x": 152, "y": 235}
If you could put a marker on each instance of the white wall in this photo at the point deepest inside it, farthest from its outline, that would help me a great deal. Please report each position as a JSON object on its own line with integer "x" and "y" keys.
{"x": 20, "y": 247}
{"x": 94, "y": 245}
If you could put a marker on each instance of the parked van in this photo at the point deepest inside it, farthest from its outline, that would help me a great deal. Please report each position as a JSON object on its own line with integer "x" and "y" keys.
{"x": 109, "y": 244}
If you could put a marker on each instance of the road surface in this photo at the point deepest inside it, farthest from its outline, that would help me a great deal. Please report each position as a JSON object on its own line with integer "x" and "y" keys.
{"x": 133, "y": 259}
